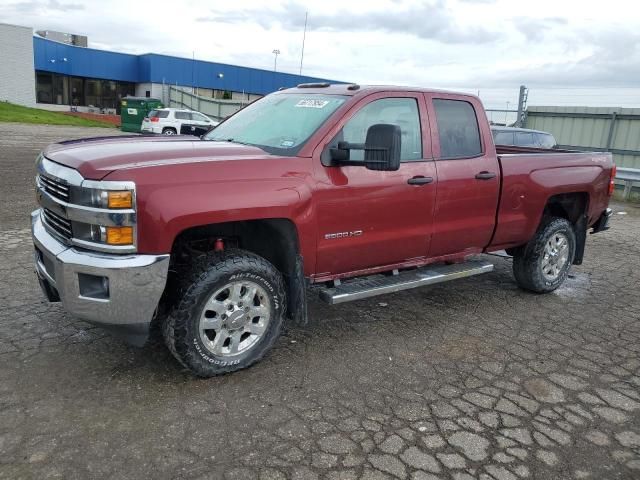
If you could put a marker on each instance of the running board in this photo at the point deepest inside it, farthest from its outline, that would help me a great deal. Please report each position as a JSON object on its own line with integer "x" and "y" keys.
{"x": 366, "y": 287}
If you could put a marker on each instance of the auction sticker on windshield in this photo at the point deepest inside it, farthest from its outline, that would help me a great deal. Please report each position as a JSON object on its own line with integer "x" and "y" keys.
{"x": 310, "y": 103}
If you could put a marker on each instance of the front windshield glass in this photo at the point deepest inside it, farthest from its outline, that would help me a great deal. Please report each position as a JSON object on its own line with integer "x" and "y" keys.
{"x": 278, "y": 123}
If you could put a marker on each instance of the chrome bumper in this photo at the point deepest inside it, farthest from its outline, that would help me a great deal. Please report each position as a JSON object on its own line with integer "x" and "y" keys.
{"x": 117, "y": 292}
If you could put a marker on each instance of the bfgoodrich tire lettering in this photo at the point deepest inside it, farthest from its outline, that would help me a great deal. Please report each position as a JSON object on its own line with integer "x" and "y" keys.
{"x": 532, "y": 266}
{"x": 219, "y": 273}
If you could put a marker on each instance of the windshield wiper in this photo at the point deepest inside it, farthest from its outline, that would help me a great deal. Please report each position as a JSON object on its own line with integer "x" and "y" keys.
{"x": 230, "y": 140}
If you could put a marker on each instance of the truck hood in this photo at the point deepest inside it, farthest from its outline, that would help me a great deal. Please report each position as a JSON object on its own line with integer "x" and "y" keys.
{"x": 95, "y": 158}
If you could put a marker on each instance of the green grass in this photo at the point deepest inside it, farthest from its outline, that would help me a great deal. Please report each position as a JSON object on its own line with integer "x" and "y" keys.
{"x": 17, "y": 113}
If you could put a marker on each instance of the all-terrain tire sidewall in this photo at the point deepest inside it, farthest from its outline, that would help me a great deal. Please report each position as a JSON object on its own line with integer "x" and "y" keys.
{"x": 527, "y": 263}
{"x": 217, "y": 271}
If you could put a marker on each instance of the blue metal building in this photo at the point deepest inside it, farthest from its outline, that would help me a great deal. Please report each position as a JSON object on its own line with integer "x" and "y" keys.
{"x": 67, "y": 74}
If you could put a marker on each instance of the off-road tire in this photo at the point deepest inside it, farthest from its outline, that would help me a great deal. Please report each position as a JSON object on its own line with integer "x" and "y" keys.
{"x": 527, "y": 260}
{"x": 209, "y": 272}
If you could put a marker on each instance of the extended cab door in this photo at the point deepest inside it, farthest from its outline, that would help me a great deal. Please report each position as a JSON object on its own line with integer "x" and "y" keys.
{"x": 370, "y": 218}
{"x": 468, "y": 175}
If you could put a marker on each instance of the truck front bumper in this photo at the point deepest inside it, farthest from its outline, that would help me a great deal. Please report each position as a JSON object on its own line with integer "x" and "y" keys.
{"x": 117, "y": 292}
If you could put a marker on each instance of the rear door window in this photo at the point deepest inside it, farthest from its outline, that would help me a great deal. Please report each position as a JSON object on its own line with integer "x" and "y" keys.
{"x": 503, "y": 138}
{"x": 183, "y": 115}
{"x": 457, "y": 129}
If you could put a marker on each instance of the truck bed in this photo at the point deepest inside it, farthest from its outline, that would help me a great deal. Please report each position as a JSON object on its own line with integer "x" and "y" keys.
{"x": 530, "y": 176}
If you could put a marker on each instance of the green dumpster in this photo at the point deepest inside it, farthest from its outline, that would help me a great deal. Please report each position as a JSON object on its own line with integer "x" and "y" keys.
{"x": 134, "y": 109}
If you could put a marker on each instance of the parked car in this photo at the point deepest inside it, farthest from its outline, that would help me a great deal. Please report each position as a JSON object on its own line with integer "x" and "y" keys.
{"x": 342, "y": 187}
{"x": 169, "y": 121}
{"x": 522, "y": 137}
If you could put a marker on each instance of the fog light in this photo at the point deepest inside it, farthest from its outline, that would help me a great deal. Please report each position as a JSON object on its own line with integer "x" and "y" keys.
{"x": 120, "y": 200}
{"x": 93, "y": 286}
{"x": 120, "y": 235}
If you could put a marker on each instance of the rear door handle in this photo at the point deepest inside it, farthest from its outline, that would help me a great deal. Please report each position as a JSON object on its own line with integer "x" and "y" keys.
{"x": 420, "y": 180}
{"x": 485, "y": 175}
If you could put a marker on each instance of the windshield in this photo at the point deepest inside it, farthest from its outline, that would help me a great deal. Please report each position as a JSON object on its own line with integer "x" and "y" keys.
{"x": 279, "y": 123}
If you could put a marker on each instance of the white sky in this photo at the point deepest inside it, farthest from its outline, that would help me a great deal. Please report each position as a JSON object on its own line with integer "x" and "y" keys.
{"x": 568, "y": 52}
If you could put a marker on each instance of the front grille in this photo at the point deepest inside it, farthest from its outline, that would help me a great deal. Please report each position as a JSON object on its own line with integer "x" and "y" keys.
{"x": 59, "y": 224}
{"x": 55, "y": 187}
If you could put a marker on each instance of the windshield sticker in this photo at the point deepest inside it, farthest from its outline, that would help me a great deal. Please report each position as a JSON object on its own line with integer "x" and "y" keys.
{"x": 287, "y": 143}
{"x": 310, "y": 103}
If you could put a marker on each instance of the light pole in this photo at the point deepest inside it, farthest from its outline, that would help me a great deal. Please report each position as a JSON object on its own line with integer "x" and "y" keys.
{"x": 276, "y": 52}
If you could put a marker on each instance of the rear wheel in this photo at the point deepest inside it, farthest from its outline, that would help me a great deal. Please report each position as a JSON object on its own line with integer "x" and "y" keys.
{"x": 229, "y": 313}
{"x": 169, "y": 131}
{"x": 543, "y": 264}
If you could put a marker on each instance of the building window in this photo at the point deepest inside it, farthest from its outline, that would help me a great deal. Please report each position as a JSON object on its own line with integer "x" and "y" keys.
{"x": 77, "y": 91}
{"x": 44, "y": 88}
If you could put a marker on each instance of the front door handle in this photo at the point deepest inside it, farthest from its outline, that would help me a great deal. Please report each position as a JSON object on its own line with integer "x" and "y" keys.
{"x": 485, "y": 175}
{"x": 420, "y": 180}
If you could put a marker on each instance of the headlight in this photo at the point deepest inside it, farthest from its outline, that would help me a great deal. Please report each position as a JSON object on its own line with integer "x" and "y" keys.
{"x": 107, "y": 195}
{"x": 110, "y": 225}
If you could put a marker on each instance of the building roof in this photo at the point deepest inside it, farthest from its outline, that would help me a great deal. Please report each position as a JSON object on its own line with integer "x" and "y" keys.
{"x": 57, "y": 57}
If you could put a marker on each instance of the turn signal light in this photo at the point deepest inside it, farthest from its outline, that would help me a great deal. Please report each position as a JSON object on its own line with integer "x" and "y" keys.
{"x": 120, "y": 235}
{"x": 120, "y": 200}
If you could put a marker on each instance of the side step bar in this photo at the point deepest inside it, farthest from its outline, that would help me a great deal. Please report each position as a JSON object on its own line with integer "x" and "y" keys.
{"x": 366, "y": 287}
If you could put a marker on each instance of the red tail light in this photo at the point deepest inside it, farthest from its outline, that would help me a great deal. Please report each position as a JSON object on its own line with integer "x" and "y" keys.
{"x": 155, "y": 119}
{"x": 612, "y": 185}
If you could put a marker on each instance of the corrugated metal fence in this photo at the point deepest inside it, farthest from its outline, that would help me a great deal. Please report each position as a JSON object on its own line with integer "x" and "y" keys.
{"x": 213, "y": 108}
{"x": 615, "y": 130}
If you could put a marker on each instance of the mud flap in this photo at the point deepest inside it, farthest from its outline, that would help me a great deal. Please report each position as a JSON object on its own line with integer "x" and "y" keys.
{"x": 297, "y": 294}
{"x": 580, "y": 229}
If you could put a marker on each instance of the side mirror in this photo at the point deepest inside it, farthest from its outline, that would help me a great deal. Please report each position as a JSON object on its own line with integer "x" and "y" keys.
{"x": 381, "y": 149}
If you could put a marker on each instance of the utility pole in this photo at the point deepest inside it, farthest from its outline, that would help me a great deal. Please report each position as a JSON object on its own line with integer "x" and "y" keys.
{"x": 304, "y": 37}
{"x": 522, "y": 105}
{"x": 276, "y": 52}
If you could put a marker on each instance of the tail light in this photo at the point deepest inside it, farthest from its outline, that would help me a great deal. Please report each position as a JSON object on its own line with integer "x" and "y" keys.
{"x": 155, "y": 119}
{"x": 612, "y": 184}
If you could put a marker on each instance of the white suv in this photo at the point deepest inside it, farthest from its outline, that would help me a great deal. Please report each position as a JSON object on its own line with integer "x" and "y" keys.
{"x": 169, "y": 121}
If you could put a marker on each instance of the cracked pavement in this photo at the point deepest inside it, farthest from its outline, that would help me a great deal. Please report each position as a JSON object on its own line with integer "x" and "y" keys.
{"x": 469, "y": 379}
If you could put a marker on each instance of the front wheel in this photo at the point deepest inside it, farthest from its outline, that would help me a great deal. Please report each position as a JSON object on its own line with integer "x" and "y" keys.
{"x": 230, "y": 314}
{"x": 543, "y": 264}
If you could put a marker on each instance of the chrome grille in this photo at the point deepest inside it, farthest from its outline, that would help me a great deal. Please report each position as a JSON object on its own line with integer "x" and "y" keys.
{"x": 54, "y": 186}
{"x": 59, "y": 224}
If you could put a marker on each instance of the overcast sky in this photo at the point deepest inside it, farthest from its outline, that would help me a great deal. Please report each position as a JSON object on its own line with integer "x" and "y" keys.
{"x": 565, "y": 51}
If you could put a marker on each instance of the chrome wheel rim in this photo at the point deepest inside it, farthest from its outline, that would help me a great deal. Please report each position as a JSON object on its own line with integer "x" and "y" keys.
{"x": 555, "y": 256}
{"x": 234, "y": 318}
{"x": 168, "y": 132}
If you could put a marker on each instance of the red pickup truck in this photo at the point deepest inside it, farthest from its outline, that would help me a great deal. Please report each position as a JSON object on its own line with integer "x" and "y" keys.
{"x": 358, "y": 190}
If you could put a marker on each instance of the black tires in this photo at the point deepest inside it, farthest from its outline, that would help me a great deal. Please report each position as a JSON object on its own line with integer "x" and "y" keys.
{"x": 169, "y": 131}
{"x": 229, "y": 312}
{"x": 543, "y": 264}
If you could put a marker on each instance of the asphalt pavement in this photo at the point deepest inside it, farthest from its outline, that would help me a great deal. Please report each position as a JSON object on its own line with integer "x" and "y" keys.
{"x": 470, "y": 379}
